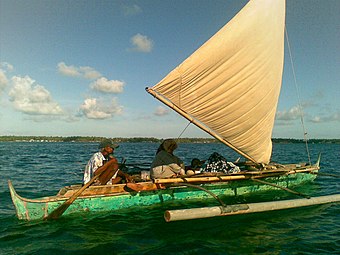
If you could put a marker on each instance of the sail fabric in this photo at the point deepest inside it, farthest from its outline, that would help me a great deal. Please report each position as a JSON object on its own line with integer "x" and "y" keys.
{"x": 231, "y": 84}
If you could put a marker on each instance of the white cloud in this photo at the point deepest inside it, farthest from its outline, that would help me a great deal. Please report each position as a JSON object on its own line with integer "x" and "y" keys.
{"x": 291, "y": 114}
{"x": 335, "y": 116}
{"x": 316, "y": 119}
{"x": 6, "y": 66}
{"x": 82, "y": 71}
{"x": 108, "y": 86}
{"x": 130, "y": 10}
{"x": 286, "y": 117}
{"x": 102, "y": 84}
{"x": 3, "y": 80}
{"x": 68, "y": 70}
{"x": 92, "y": 108}
{"x": 141, "y": 43}
{"x": 161, "y": 111}
{"x": 31, "y": 98}
{"x": 326, "y": 118}
{"x": 89, "y": 72}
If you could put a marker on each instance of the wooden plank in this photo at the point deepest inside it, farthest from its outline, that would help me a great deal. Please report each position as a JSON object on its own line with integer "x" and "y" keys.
{"x": 162, "y": 183}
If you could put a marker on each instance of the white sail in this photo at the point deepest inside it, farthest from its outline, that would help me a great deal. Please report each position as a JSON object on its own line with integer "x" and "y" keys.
{"x": 230, "y": 86}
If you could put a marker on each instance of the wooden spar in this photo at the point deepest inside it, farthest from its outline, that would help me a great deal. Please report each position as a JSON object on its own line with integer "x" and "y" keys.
{"x": 206, "y": 212}
{"x": 197, "y": 123}
{"x": 234, "y": 177}
{"x": 201, "y": 179}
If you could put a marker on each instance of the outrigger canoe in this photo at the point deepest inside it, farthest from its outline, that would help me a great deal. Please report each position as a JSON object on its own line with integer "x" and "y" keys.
{"x": 229, "y": 88}
{"x": 109, "y": 198}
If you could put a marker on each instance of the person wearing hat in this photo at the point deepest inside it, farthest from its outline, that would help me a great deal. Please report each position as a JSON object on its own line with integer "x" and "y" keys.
{"x": 105, "y": 164}
{"x": 165, "y": 163}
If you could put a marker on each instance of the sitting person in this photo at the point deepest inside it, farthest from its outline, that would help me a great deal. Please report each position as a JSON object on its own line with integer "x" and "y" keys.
{"x": 195, "y": 167}
{"x": 165, "y": 163}
{"x": 105, "y": 164}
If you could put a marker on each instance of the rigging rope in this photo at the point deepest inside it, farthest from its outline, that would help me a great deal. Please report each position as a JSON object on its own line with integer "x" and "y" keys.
{"x": 184, "y": 130}
{"x": 298, "y": 96}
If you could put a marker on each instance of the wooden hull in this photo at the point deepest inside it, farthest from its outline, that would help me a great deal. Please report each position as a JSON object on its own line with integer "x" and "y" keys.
{"x": 114, "y": 197}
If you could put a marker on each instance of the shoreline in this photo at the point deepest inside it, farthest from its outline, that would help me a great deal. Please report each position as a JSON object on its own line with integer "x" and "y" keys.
{"x": 95, "y": 139}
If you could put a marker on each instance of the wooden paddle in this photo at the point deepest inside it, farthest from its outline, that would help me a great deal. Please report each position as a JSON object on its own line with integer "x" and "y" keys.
{"x": 56, "y": 213}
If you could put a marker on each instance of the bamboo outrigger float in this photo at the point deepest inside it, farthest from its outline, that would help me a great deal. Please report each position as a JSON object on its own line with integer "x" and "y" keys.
{"x": 229, "y": 88}
{"x": 206, "y": 212}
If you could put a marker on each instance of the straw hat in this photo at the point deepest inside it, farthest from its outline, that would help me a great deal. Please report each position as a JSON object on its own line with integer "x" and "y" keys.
{"x": 107, "y": 142}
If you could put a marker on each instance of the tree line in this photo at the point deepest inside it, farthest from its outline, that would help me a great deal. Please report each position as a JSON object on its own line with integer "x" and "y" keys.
{"x": 140, "y": 139}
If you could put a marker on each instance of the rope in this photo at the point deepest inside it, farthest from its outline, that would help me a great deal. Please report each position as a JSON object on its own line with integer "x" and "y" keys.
{"x": 327, "y": 174}
{"x": 184, "y": 130}
{"x": 298, "y": 96}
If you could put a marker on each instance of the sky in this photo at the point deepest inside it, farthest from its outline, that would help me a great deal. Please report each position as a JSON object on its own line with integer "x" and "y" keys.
{"x": 80, "y": 68}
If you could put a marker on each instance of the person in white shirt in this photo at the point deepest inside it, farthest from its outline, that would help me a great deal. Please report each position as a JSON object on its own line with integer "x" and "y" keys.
{"x": 105, "y": 164}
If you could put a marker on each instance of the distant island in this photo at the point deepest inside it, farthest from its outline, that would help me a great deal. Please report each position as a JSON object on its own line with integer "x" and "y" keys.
{"x": 97, "y": 139}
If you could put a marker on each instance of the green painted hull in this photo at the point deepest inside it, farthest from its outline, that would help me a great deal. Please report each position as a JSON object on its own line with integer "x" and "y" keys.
{"x": 35, "y": 209}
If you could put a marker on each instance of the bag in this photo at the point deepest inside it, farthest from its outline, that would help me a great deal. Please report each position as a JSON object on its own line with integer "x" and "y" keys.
{"x": 217, "y": 163}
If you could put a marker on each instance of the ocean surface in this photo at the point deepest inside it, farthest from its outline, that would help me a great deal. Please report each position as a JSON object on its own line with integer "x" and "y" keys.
{"x": 41, "y": 169}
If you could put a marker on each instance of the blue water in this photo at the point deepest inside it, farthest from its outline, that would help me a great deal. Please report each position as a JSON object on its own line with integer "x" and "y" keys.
{"x": 41, "y": 169}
